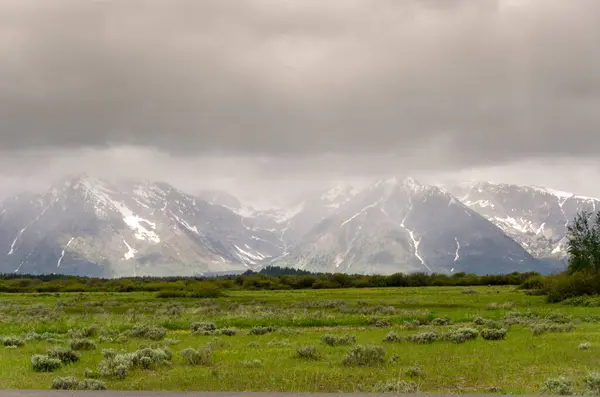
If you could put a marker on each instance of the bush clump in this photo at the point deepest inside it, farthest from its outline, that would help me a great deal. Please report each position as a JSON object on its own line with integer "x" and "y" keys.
{"x": 415, "y": 372}
{"x": 333, "y": 340}
{"x": 151, "y": 332}
{"x": 424, "y": 338}
{"x": 493, "y": 334}
{"x": 543, "y": 327}
{"x": 81, "y": 333}
{"x": 44, "y": 363}
{"x": 393, "y": 337}
{"x": 203, "y": 328}
{"x": 65, "y": 355}
{"x": 82, "y": 344}
{"x": 584, "y": 346}
{"x": 307, "y": 353}
{"x": 251, "y": 364}
{"x": 202, "y": 356}
{"x": 12, "y": 341}
{"x": 72, "y": 383}
{"x": 380, "y": 323}
{"x": 364, "y": 355}
{"x": 440, "y": 321}
{"x": 227, "y": 331}
{"x": 262, "y": 330}
{"x": 396, "y": 387}
{"x": 461, "y": 335}
{"x": 560, "y": 386}
{"x": 592, "y": 383}
{"x": 117, "y": 365}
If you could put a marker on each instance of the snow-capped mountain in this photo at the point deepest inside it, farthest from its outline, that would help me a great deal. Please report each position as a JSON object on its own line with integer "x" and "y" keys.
{"x": 403, "y": 226}
{"x": 535, "y": 217}
{"x": 84, "y": 225}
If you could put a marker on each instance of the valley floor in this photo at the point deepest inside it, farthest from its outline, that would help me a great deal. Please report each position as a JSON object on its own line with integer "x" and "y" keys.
{"x": 543, "y": 341}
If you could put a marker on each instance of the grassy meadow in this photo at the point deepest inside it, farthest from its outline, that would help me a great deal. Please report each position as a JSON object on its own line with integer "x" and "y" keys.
{"x": 426, "y": 339}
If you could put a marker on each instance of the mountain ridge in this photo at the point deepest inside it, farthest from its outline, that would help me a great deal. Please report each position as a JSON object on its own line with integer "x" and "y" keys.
{"x": 85, "y": 225}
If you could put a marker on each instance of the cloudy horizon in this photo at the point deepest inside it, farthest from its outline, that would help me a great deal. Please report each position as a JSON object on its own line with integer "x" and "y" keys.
{"x": 268, "y": 99}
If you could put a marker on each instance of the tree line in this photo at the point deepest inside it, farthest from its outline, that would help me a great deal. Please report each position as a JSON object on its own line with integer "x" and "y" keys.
{"x": 270, "y": 278}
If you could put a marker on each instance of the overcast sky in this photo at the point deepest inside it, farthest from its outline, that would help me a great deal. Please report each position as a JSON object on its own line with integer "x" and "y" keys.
{"x": 268, "y": 98}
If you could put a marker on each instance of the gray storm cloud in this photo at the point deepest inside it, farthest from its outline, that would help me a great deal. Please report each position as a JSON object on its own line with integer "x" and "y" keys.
{"x": 474, "y": 82}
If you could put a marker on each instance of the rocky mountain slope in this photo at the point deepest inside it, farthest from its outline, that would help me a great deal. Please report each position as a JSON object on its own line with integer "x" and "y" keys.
{"x": 403, "y": 226}
{"x": 83, "y": 225}
{"x": 535, "y": 217}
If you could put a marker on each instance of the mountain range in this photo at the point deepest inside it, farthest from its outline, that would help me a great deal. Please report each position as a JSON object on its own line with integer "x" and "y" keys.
{"x": 87, "y": 226}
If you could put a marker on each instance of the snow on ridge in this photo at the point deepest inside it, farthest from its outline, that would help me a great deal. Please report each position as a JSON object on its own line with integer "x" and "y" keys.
{"x": 62, "y": 255}
{"x": 130, "y": 254}
{"x": 457, "y": 254}
{"x": 359, "y": 212}
{"x": 248, "y": 257}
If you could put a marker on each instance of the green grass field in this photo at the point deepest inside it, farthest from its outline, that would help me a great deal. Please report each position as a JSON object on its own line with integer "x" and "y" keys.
{"x": 519, "y": 364}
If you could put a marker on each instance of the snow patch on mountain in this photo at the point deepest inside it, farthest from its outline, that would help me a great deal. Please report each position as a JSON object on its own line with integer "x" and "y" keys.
{"x": 62, "y": 255}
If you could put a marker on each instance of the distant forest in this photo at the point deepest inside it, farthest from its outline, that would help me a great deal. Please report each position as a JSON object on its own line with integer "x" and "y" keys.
{"x": 270, "y": 278}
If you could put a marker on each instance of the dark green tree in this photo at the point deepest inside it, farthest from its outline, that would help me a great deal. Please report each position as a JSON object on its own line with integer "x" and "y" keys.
{"x": 584, "y": 243}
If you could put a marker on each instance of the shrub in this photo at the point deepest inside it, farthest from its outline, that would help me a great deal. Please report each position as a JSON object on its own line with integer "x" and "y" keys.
{"x": 479, "y": 321}
{"x": 43, "y": 363}
{"x": 380, "y": 323}
{"x": 461, "y": 335}
{"x": 203, "y": 328}
{"x": 395, "y": 359}
{"x": 498, "y": 306}
{"x": 251, "y": 364}
{"x": 117, "y": 365}
{"x": 227, "y": 331}
{"x": 217, "y": 343}
{"x": 541, "y": 328}
{"x": 439, "y": 321}
{"x": 493, "y": 324}
{"x": 307, "y": 353}
{"x": 12, "y": 341}
{"x": 262, "y": 330}
{"x": 65, "y": 355}
{"x": 592, "y": 383}
{"x": 72, "y": 383}
{"x": 172, "y": 309}
{"x": 364, "y": 355}
{"x": 560, "y": 386}
{"x": 66, "y": 383}
{"x": 493, "y": 334}
{"x": 563, "y": 286}
{"x": 584, "y": 346}
{"x": 424, "y": 338}
{"x": 149, "y": 358}
{"x": 396, "y": 387}
{"x": 92, "y": 384}
{"x": 82, "y": 344}
{"x": 151, "y": 332}
{"x": 332, "y": 340}
{"x": 202, "y": 356}
{"x": 393, "y": 337}
{"x": 81, "y": 333}
{"x": 558, "y": 318}
{"x": 414, "y": 372}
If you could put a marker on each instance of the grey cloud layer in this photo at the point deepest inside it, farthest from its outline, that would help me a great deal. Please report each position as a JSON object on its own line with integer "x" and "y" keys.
{"x": 463, "y": 82}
